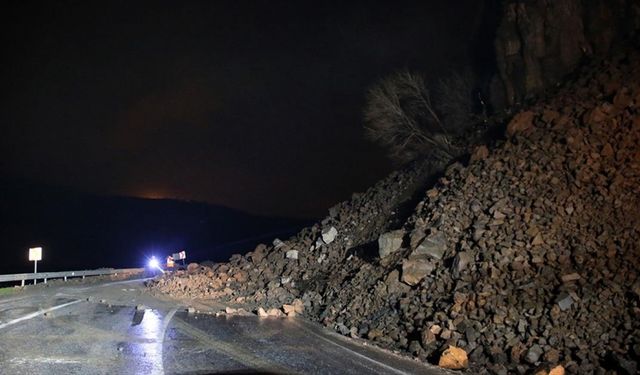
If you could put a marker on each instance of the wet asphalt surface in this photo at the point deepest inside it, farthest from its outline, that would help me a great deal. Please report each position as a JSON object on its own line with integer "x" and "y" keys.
{"x": 94, "y": 328}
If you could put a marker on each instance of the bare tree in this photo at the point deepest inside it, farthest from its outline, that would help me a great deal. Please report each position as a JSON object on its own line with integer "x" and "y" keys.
{"x": 400, "y": 115}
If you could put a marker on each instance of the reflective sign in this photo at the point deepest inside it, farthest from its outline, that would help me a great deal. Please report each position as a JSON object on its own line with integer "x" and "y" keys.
{"x": 35, "y": 253}
{"x": 181, "y": 255}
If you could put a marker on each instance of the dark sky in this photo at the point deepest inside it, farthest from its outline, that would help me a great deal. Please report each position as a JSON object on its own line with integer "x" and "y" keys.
{"x": 252, "y": 105}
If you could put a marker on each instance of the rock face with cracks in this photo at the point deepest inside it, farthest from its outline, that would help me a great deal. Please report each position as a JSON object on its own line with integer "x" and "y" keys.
{"x": 526, "y": 260}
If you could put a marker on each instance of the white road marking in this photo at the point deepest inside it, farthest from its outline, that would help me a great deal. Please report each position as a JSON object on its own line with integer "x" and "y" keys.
{"x": 37, "y": 313}
{"x": 163, "y": 331}
{"x": 383, "y": 365}
{"x": 165, "y": 322}
{"x": 56, "y": 360}
{"x": 113, "y": 283}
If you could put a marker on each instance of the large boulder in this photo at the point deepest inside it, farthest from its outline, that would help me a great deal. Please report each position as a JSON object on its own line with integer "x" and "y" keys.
{"x": 292, "y": 254}
{"x": 454, "y": 358}
{"x": 390, "y": 242}
{"x": 329, "y": 235}
{"x": 434, "y": 246}
{"x": 414, "y": 270}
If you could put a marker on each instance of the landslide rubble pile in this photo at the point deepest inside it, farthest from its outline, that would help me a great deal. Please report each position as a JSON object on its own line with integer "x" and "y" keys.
{"x": 277, "y": 273}
{"x": 526, "y": 259}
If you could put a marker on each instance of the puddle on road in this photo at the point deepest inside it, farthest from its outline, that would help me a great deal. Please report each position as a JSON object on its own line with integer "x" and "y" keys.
{"x": 94, "y": 338}
{"x": 145, "y": 345}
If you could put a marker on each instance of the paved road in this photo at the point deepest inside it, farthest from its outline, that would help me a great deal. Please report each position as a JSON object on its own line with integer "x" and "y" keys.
{"x": 95, "y": 328}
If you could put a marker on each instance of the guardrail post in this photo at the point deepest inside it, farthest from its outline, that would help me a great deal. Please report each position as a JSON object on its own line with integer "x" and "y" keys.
{"x": 24, "y": 278}
{"x": 65, "y": 279}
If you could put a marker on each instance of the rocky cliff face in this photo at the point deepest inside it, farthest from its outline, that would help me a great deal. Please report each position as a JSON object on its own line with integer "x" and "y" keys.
{"x": 538, "y": 42}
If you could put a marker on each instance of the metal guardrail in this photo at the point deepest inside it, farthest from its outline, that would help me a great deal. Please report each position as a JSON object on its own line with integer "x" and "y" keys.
{"x": 66, "y": 274}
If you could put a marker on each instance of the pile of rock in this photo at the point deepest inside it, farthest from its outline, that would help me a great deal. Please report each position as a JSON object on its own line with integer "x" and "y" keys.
{"x": 274, "y": 275}
{"x": 525, "y": 260}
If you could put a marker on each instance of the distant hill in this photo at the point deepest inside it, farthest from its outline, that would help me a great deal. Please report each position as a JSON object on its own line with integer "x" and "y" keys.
{"x": 81, "y": 231}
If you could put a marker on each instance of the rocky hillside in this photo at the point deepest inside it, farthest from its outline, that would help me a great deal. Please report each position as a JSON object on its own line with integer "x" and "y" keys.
{"x": 539, "y": 42}
{"x": 523, "y": 261}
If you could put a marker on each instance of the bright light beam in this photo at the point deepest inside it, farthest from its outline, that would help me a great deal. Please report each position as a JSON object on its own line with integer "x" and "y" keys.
{"x": 154, "y": 264}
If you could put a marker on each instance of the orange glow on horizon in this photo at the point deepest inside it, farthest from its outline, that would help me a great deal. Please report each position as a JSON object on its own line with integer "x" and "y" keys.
{"x": 153, "y": 194}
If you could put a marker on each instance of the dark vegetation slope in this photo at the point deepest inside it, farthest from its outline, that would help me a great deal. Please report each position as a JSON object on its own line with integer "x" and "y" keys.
{"x": 83, "y": 231}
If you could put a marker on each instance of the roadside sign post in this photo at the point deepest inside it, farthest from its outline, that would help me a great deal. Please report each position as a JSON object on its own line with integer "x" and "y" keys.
{"x": 182, "y": 255}
{"x": 35, "y": 254}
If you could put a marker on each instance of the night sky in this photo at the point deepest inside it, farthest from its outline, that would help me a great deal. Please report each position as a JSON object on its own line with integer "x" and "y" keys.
{"x": 251, "y": 105}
